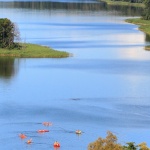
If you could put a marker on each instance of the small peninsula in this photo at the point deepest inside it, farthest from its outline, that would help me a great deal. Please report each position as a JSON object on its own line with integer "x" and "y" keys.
{"x": 144, "y": 25}
{"x": 33, "y": 51}
{"x": 11, "y": 47}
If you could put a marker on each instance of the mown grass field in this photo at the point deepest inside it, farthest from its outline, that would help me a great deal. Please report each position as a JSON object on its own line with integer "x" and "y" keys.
{"x": 33, "y": 51}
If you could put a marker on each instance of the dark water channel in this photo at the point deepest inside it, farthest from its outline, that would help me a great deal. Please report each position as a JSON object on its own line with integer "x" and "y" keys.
{"x": 104, "y": 86}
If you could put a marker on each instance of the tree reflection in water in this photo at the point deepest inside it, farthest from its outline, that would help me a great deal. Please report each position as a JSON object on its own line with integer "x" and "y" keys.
{"x": 90, "y": 6}
{"x": 7, "y": 67}
{"x": 147, "y": 38}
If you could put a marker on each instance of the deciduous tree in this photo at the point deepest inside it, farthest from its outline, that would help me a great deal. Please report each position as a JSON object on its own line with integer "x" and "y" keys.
{"x": 108, "y": 143}
{"x": 8, "y": 33}
{"x": 143, "y": 146}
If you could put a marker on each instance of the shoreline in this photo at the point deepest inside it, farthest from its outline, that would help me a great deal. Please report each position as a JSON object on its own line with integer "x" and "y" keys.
{"x": 122, "y": 3}
{"x": 33, "y": 51}
{"x": 144, "y": 26}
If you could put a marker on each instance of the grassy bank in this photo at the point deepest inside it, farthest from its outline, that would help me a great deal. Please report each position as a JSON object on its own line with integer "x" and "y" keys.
{"x": 109, "y": 2}
{"x": 144, "y": 25}
{"x": 33, "y": 51}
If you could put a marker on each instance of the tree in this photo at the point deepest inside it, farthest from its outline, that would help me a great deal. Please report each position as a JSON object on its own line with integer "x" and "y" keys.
{"x": 130, "y": 146}
{"x": 146, "y": 14}
{"x": 8, "y": 33}
{"x": 109, "y": 143}
{"x": 143, "y": 146}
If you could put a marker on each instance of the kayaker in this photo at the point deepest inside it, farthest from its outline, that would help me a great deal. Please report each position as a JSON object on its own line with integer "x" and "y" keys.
{"x": 56, "y": 144}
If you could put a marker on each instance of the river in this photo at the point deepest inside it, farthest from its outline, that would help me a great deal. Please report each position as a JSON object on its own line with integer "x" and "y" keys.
{"x": 103, "y": 86}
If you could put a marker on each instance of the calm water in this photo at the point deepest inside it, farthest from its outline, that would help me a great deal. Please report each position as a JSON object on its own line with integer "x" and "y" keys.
{"x": 104, "y": 86}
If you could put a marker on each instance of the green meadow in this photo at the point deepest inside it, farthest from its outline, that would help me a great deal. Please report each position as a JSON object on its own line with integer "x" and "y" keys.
{"x": 33, "y": 51}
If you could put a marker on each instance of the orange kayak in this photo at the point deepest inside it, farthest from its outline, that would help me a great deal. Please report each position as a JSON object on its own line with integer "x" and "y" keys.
{"x": 42, "y": 131}
{"x": 22, "y": 136}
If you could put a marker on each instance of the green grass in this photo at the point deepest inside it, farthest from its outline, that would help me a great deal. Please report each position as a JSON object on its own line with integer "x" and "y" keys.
{"x": 33, "y": 51}
{"x": 144, "y": 25}
{"x": 109, "y": 2}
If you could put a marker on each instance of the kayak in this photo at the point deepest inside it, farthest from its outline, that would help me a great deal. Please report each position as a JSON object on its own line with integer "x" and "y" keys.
{"x": 47, "y": 123}
{"x": 42, "y": 131}
{"x": 29, "y": 141}
{"x": 22, "y": 136}
{"x": 78, "y": 131}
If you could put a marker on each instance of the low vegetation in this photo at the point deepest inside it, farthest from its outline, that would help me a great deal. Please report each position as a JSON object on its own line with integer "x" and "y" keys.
{"x": 32, "y": 51}
{"x": 111, "y": 143}
{"x": 144, "y": 25}
{"x": 123, "y": 3}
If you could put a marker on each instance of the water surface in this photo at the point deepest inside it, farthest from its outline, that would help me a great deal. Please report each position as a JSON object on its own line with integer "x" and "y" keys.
{"x": 104, "y": 86}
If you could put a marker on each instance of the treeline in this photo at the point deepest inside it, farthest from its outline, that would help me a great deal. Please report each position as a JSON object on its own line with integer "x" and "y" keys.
{"x": 131, "y": 1}
{"x": 99, "y": 6}
{"x": 146, "y": 14}
{"x": 111, "y": 143}
{"x": 42, "y": 5}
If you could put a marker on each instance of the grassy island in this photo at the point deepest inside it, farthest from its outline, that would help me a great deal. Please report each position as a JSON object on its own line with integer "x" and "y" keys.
{"x": 144, "y": 25}
{"x": 33, "y": 51}
{"x": 122, "y": 3}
